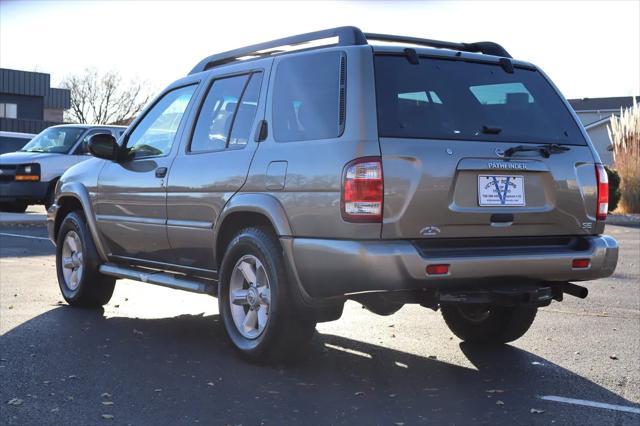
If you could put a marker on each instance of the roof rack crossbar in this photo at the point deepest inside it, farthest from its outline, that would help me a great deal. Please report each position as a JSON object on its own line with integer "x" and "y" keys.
{"x": 347, "y": 36}
{"x": 485, "y": 47}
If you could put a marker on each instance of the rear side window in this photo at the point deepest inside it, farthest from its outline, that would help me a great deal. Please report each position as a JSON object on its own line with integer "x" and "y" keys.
{"x": 246, "y": 113}
{"x": 308, "y": 97}
{"x": 228, "y": 113}
{"x": 447, "y": 99}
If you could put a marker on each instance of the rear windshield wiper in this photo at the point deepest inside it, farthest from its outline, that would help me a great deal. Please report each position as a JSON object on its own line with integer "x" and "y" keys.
{"x": 545, "y": 150}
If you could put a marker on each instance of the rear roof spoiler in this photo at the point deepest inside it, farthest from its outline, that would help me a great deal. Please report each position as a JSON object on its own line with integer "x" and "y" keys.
{"x": 347, "y": 36}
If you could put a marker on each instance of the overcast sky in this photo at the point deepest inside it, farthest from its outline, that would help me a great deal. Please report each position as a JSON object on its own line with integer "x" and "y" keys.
{"x": 590, "y": 49}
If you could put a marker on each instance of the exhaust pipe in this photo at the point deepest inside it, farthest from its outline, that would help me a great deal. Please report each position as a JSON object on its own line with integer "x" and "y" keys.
{"x": 575, "y": 290}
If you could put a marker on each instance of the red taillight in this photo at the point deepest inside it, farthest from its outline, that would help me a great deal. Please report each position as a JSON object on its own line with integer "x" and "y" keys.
{"x": 603, "y": 192}
{"x": 362, "y": 190}
{"x": 580, "y": 263}
{"x": 438, "y": 269}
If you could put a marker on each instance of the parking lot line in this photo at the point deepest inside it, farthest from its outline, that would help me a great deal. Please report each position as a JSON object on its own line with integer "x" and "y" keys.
{"x": 23, "y": 236}
{"x": 587, "y": 403}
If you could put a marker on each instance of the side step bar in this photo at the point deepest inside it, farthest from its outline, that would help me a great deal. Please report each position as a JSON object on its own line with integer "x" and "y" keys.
{"x": 164, "y": 279}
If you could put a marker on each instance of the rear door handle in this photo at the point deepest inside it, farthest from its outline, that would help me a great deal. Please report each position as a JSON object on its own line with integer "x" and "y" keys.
{"x": 161, "y": 172}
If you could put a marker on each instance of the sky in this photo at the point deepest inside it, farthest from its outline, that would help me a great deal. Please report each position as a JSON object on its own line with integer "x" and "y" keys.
{"x": 589, "y": 48}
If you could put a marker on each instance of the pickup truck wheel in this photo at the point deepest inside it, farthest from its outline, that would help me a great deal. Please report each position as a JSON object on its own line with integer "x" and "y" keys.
{"x": 488, "y": 324}
{"x": 255, "y": 302}
{"x": 14, "y": 207}
{"x": 77, "y": 265}
{"x": 50, "y": 197}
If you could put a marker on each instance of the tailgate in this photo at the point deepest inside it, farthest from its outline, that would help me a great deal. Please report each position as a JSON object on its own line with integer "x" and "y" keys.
{"x": 430, "y": 193}
{"x": 474, "y": 148}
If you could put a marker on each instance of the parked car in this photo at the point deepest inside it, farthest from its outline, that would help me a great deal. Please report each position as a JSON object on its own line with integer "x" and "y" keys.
{"x": 29, "y": 175}
{"x": 13, "y": 141}
{"x": 444, "y": 174}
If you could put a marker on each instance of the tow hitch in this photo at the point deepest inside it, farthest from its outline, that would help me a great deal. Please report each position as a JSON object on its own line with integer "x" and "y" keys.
{"x": 512, "y": 295}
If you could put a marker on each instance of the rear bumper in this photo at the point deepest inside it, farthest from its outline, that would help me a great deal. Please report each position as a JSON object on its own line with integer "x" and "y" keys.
{"x": 23, "y": 191}
{"x": 327, "y": 268}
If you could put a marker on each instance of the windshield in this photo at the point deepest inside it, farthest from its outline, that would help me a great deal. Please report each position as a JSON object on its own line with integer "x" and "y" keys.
{"x": 55, "y": 139}
{"x": 452, "y": 99}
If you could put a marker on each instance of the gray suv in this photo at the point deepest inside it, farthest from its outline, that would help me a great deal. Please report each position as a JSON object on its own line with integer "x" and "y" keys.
{"x": 285, "y": 178}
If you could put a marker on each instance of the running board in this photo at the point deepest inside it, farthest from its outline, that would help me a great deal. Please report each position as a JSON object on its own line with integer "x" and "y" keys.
{"x": 164, "y": 279}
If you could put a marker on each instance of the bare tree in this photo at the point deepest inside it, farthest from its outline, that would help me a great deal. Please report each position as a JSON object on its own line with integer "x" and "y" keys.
{"x": 103, "y": 98}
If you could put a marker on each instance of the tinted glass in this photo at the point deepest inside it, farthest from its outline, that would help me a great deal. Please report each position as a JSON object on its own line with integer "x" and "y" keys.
{"x": 306, "y": 97}
{"x": 243, "y": 122}
{"x": 55, "y": 139}
{"x": 216, "y": 116}
{"x": 154, "y": 135}
{"x": 445, "y": 99}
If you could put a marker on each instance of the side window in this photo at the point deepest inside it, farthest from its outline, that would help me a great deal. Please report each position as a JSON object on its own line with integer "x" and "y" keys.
{"x": 246, "y": 114}
{"x": 227, "y": 113}
{"x": 154, "y": 135}
{"x": 308, "y": 97}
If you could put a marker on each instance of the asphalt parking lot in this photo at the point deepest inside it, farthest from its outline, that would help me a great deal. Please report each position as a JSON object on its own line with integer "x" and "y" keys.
{"x": 159, "y": 356}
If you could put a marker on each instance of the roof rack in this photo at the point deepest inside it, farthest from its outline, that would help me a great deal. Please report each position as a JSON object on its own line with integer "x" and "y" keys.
{"x": 347, "y": 36}
{"x": 484, "y": 47}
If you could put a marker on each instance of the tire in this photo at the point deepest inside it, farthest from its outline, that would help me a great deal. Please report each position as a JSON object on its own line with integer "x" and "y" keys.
{"x": 276, "y": 331}
{"x": 50, "y": 197}
{"x": 14, "y": 207}
{"x": 76, "y": 250}
{"x": 489, "y": 325}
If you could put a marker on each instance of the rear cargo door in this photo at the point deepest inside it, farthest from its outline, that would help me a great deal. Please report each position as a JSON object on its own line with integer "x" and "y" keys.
{"x": 476, "y": 149}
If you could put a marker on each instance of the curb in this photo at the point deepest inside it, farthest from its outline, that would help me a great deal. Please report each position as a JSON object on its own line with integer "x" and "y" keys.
{"x": 23, "y": 224}
{"x": 624, "y": 220}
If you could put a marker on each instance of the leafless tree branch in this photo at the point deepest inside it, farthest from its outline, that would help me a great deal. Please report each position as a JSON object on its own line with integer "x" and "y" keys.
{"x": 103, "y": 98}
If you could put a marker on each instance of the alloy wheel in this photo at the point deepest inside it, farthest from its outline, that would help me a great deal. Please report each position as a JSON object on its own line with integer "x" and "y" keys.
{"x": 72, "y": 265}
{"x": 249, "y": 296}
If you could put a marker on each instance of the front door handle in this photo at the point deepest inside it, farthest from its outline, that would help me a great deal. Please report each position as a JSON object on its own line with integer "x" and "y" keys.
{"x": 161, "y": 172}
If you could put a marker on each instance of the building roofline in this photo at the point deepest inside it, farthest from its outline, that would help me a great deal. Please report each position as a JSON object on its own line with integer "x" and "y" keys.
{"x": 597, "y": 123}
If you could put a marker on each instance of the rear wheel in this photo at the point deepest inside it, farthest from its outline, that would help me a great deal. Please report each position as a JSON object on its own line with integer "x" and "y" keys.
{"x": 77, "y": 265}
{"x": 255, "y": 301}
{"x": 488, "y": 324}
{"x": 14, "y": 207}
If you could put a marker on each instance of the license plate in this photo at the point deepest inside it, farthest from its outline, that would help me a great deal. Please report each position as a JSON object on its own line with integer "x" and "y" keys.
{"x": 501, "y": 190}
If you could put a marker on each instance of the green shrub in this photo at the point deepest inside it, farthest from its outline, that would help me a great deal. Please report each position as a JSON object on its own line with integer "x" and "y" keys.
{"x": 614, "y": 188}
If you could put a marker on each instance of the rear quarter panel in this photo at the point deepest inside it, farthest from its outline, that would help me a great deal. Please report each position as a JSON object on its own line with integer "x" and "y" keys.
{"x": 313, "y": 177}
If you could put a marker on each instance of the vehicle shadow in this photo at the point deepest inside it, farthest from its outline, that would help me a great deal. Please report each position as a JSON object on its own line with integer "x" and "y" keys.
{"x": 182, "y": 370}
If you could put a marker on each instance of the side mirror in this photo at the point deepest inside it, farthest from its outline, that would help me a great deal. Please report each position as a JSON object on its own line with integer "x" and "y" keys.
{"x": 104, "y": 146}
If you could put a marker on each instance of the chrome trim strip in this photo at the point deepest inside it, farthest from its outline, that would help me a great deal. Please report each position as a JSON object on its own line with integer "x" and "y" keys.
{"x": 131, "y": 219}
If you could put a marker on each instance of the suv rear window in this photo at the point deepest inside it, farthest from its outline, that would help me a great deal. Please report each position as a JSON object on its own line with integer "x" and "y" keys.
{"x": 451, "y": 99}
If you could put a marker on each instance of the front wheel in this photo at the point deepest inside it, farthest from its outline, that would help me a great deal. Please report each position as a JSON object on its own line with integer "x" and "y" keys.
{"x": 255, "y": 302}
{"x": 77, "y": 265}
{"x": 49, "y": 199}
{"x": 488, "y": 324}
